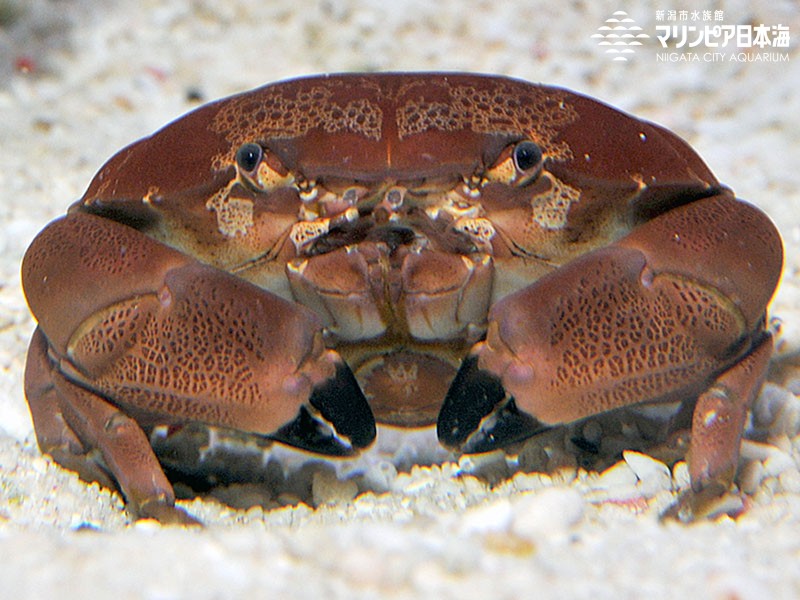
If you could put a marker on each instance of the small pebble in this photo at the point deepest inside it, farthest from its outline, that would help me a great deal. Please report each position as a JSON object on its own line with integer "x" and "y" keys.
{"x": 413, "y": 483}
{"x": 326, "y": 488}
{"x": 645, "y": 466}
{"x": 653, "y": 474}
{"x": 380, "y": 476}
{"x": 525, "y": 482}
{"x": 592, "y": 432}
{"x": 147, "y": 525}
{"x": 778, "y": 462}
{"x": 750, "y": 476}
{"x": 491, "y": 516}
{"x": 616, "y": 476}
{"x": 680, "y": 475}
{"x": 790, "y": 481}
{"x": 547, "y": 512}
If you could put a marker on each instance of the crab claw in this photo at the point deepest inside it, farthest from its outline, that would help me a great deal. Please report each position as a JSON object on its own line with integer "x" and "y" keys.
{"x": 113, "y": 303}
{"x": 479, "y": 416}
{"x": 671, "y": 312}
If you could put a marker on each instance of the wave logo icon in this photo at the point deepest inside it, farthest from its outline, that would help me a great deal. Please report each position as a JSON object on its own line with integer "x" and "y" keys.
{"x": 620, "y": 34}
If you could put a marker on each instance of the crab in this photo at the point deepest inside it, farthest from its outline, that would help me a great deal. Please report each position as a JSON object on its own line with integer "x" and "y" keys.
{"x": 318, "y": 258}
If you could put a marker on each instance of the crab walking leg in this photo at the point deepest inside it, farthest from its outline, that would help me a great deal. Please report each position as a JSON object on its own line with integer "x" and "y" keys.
{"x": 717, "y": 423}
{"x": 657, "y": 316}
{"x": 85, "y": 433}
{"x": 53, "y": 433}
{"x": 170, "y": 340}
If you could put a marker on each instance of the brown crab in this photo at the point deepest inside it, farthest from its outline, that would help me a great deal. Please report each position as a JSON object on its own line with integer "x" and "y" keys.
{"x": 480, "y": 253}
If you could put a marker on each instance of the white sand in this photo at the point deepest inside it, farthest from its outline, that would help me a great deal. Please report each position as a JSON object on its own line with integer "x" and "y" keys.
{"x": 111, "y": 73}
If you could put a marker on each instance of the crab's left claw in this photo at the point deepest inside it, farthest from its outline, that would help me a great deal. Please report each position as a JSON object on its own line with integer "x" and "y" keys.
{"x": 673, "y": 311}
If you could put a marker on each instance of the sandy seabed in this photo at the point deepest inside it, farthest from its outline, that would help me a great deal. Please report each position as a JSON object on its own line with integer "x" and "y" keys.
{"x": 80, "y": 79}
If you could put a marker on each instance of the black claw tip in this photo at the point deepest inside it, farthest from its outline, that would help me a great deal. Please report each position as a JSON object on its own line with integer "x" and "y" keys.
{"x": 338, "y": 422}
{"x": 341, "y": 401}
{"x": 478, "y": 416}
{"x": 472, "y": 395}
{"x": 504, "y": 426}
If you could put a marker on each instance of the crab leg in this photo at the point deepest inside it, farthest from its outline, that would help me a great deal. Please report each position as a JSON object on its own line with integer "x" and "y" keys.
{"x": 717, "y": 423}
{"x": 55, "y": 436}
{"x": 660, "y": 315}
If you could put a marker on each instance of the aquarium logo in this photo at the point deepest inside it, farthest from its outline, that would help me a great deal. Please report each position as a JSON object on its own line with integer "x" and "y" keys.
{"x": 620, "y": 35}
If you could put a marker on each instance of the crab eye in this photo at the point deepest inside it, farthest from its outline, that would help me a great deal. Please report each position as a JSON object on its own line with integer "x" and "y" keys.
{"x": 261, "y": 169}
{"x": 518, "y": 164}
{"x": 527, "y": 155}
{"x": 248, "y": 157}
